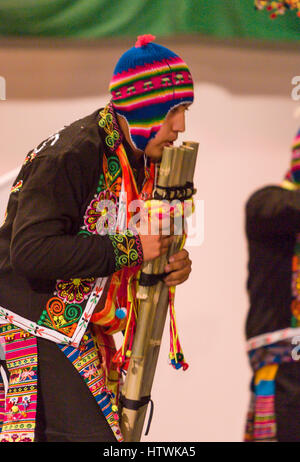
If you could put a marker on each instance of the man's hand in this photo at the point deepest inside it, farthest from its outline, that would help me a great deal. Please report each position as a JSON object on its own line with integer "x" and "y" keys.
{"x": 155, "y": 237}
{"x": 181, "y": 266}
{"x": 155, "y": 245}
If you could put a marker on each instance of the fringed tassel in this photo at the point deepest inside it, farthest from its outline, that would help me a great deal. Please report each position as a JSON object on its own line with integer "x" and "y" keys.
{"x": 176, "y": 354}
{"x": 123, "y": 355}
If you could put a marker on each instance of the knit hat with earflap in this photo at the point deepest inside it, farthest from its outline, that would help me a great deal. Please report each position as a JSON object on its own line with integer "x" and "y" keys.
{"x": 148, "y": 81}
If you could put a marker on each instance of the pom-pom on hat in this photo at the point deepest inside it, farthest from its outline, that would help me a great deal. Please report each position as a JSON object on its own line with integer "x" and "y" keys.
{"x": 148, "y": 81}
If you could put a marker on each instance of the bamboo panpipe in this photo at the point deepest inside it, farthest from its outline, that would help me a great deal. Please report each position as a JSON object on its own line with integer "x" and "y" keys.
{"x": 176, "y": 169}
{"x": 161, "y": 309}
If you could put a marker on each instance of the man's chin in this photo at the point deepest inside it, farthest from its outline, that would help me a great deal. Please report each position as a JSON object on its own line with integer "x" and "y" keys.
{"x": 155, "y": 159}
{"x": 156, "y": 154}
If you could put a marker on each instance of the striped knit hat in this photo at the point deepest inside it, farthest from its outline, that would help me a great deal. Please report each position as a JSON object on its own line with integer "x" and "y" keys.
{"x": 148, "y": 81}
{"x": 295, "y": 165}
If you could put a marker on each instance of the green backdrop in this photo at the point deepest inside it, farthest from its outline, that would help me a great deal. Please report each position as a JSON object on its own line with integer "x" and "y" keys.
{"x": 115, "y": 18}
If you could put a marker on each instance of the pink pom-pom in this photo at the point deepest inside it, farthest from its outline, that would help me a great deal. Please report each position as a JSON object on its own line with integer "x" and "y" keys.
{"x": 143, "y": 40}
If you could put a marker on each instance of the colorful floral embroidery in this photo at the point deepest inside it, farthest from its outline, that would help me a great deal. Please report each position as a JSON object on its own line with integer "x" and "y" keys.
{"x": 75, "y": 290}
{"x": 61, "y": 317}
{"x": 102, "y": 213}
{"x": 127, "y": 248}
{"x": 101, "y": 184}
{"x": 17, "y": 187}
{"x": 107, "y": 123}
{"x": 30, "y": 157}
{"x": 112, "y": 170}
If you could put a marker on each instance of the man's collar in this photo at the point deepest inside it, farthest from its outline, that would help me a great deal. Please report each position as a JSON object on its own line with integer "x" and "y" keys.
{"x": 109, "y": 129}
{"x": 113, "y": 135}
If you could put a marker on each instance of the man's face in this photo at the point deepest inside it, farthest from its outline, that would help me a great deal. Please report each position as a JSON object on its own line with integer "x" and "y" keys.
{"x": 173, "y": 124}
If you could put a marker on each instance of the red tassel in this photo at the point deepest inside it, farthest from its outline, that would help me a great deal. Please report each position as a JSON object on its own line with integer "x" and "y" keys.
{"x": 176, "y": 354}
{"x": 143, "y": 40}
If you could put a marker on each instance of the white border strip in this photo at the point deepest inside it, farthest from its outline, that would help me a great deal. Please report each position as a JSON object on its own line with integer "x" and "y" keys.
{"x": 272, "y": 337}
{"x": 8, "y": 317}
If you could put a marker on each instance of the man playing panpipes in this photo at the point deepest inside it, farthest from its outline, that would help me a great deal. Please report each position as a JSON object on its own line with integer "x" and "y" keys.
{"x": 66, "y": 282}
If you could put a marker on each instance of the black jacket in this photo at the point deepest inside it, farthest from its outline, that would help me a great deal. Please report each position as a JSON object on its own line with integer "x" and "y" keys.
{"x": 272, "y": 222}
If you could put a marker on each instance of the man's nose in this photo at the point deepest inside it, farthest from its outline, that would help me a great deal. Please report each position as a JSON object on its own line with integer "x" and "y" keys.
{"x": 179, "y": 122}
